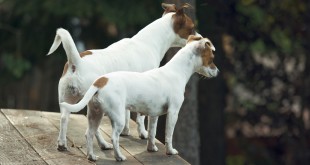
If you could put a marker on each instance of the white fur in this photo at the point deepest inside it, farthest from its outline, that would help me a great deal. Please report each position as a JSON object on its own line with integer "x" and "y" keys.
{"x": 155, "y": 92}
{"x": 142, "y": 52}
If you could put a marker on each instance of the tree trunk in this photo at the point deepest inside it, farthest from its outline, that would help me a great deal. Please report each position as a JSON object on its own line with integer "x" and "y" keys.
{"x": 186, "y": 136}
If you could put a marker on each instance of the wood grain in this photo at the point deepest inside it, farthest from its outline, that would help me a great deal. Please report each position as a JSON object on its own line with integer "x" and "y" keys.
{"x": 137, "y": 147}
{"x": 76, "y": 131}
{"x": 14, "y": 149}
{"x": 42, "y": 136}
{"x": 30, "y": 137}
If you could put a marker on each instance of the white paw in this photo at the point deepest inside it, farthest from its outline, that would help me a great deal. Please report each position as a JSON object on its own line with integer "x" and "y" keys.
{"x": 172, "y": 152}
{"x": 152, "y": 148}
{"x": 143, "y": 134}
{"x": 92, "y": 157}
{"x": 120, "y": 158}
{"x": 125, "y": 132}
{"x": 106, "y": 146}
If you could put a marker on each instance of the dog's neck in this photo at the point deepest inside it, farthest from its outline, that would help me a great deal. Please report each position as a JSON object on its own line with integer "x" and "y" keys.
{"x": 159, "y": 34}
{"x": 183, "y": 65}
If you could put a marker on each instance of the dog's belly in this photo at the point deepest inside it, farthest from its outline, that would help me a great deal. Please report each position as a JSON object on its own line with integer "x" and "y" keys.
{"x": 147, "y": 108}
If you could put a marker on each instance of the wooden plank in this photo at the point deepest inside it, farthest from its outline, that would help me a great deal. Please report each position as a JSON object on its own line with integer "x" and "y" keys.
{"x": 76, "y": 131}
{"x": 42, "y": 136}
{"x": 14, "y": 149}
{"x": 137, "y": 147}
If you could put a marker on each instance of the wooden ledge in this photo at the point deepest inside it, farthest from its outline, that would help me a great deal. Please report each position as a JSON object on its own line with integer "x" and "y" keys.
{"x": 30, "y": 137}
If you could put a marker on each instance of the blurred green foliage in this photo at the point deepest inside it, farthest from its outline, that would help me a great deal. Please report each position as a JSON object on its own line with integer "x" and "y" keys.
{"x": 265, "y": 65}
{"x": 15, "y": 66}
{"x": 271, "y": 25}
{"x": 36, "y": 21}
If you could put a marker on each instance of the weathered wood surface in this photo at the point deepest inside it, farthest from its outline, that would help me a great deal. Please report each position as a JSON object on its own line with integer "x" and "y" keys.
{"x": 30, "y": 137}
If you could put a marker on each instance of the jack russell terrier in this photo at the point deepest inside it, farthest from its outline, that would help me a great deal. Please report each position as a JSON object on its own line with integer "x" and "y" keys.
{"x": 153, "y": 93}
{"x": 142, "y": 52}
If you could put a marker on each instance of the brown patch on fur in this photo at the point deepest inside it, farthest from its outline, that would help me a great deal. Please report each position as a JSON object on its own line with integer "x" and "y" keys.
{"x": 183, "y": 25}
{"x": 73, "y": 68}
{"x": 65, "y": 69}
{"x": 193, "y": 38}
{"x": 85, "y": 53}
{"x": 101, "y": 82}
{"x": 168, "y": 8}
{"x": 207, "y": 55}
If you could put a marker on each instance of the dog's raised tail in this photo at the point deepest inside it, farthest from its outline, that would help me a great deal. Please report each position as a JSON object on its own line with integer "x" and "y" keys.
{"x": 81, "y": 104}
{"x": 64, "y": 37}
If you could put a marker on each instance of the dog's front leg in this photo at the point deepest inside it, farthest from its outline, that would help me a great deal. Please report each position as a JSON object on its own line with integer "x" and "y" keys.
{"x": 141, "y": 128}
{"x": 171, "y": 120}
{"x": 151, "y": 147}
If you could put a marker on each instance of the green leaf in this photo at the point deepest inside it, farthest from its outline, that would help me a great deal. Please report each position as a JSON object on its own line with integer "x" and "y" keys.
{"x": 15, "y": 66}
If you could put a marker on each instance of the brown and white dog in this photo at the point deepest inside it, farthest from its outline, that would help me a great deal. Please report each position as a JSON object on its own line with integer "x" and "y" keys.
{"x": 142, "y": 52}
{"x": 155, "y": 92}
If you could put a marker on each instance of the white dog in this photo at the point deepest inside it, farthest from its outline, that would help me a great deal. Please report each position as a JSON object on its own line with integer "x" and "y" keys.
{"x": 142, "y": 52}
{"x": 155, "y": 92}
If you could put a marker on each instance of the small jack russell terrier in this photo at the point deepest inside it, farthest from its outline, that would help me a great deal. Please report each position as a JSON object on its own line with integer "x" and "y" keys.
{"x": 153, "y": 93}
{"x": 142, "y": 52}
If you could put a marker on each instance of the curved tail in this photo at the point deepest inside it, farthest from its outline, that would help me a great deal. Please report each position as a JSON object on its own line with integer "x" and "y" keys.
{"x": 64, "y": 36}
{"x": 81, "y": 104}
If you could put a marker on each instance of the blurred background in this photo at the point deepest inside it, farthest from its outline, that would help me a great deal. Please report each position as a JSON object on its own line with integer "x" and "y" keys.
{"x": 256, "y": 112}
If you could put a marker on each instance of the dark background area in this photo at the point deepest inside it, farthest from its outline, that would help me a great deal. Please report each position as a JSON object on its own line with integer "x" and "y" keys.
{"x": 255, "y": 112}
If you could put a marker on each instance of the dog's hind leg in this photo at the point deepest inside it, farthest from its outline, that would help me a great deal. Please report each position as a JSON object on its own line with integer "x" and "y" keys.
{"x": 118, "y": 122}
{"x": 152, "y": 125}
{"x": 69, "y": 94}
{"x": 126, "y": 130}
{"x": 94, "y": 116}
{"x": 141, "y": 128}
{"x": 104, "y": 145}
{"x": 62, "y": 140}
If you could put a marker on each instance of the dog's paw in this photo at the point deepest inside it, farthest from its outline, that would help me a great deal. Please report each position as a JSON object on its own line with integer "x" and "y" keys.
{"x": 92, "y": 157}
{"x": 152, "y": 148}
{"x": 62, "y": 148}
{"x": 143, "y": 134}
{"x": 120, "y": 158}
{"x": 106, "y": 146}
{"x": 172, "y": 152}
{"x": 125, "y": 132}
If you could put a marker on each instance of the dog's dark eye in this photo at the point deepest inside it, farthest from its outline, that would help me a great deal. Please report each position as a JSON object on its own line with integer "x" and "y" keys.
{"x": 208, "y": 43}
{"x": 193, "y": 31}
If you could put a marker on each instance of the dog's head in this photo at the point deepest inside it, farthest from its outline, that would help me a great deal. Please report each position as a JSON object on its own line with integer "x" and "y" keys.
{"x": 203, "y": 49}
{"x": 183, "y": 25}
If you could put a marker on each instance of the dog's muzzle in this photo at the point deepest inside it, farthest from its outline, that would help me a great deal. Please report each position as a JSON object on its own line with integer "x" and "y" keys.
{"x": 212, "y": 72}
{"x": 209, "y": 72}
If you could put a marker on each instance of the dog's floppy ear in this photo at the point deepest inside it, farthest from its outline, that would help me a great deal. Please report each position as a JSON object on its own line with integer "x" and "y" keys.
{"x": 168, "y": 8}
{"x": 180, "y": 11}
{"x": 209, "y": 44}
{"x": 203, "y": 44}
{"x": 200, "y": 46}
